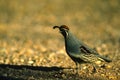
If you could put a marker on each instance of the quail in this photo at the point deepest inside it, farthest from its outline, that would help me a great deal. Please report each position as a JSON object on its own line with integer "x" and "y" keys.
{"x": 79, "y": 52}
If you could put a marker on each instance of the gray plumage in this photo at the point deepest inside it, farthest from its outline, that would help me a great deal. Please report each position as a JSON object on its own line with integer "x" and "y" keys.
{"x": 77, "y": 50}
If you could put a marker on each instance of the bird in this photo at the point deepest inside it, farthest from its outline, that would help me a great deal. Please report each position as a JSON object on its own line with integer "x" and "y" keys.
{"x": 78, "y": 51}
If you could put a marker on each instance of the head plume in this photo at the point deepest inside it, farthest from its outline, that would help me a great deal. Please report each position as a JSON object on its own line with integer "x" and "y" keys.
{"x": 61, "y": 27}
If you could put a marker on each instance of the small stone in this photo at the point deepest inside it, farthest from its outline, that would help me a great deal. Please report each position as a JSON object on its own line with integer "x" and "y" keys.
{"x": 42, "y": 48}
{"x": 98, "y": 62}
{"x": 104, "y": 46}
{"x": 30, "y": 62}
{"x": 5, "y": 75}
{"x": 63, "y": 75}
{"x": 108, "y": 66}
{"x": 112, "y": 77}
{"x": 103, "y": 74}
{"x": 7, "y": 61}
{"x": 30, "y": 51}
{"x": 22, "y": 60}
{"x": 1, "y": 61}
{"x": 84, "y": 67}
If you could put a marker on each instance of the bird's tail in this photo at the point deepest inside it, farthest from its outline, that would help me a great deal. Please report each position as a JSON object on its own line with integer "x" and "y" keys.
{"x": 106, "y": 59}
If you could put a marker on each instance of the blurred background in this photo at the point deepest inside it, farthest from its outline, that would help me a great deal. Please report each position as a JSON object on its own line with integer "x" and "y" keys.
{"x": 32, "y": 15}
{"x": 26, "y": 25}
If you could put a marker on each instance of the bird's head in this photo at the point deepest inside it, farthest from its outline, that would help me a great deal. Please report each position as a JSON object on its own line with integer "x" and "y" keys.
{"x": 63, "y": 30}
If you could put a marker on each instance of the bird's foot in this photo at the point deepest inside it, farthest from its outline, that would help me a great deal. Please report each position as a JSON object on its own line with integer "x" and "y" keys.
{"x": 94, "y": 70}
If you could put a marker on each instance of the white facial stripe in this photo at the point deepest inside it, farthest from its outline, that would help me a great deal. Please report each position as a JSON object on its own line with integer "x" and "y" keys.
{"x": 66, "y": 33}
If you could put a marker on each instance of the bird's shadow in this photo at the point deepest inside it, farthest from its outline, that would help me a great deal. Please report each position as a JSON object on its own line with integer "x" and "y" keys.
{"x": 39, "y": 68}
{"x": 24, "y": 72}
{"x": 7, "y": 69}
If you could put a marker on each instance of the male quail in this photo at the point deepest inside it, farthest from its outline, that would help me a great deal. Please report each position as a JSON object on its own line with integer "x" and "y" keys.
{"x": 78, "y": 51}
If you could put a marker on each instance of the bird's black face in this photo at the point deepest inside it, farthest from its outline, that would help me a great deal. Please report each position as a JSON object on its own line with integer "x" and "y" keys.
{"x": 63, "y": 29}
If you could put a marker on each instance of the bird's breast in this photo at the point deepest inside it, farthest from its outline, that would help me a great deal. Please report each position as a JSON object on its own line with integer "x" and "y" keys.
{"x": 72, "y": 48}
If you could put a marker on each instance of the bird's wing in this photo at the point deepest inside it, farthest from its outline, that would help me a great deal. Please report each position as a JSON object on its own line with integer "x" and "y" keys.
{"x": 87, "y": 50}
{"x": 91, "y": 58}
{"x": 90, "y": 52}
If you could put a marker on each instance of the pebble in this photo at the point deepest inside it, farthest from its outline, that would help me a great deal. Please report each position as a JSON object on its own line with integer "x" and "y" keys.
{"x": 30, "y": 62}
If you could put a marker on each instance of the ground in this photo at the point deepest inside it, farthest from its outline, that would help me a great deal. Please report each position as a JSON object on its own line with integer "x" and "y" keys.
{"x": 30, "y": 49}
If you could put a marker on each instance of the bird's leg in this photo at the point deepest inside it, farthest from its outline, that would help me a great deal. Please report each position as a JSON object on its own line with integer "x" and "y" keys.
{"x": 77, "y": 68}
{"x": 94, "y": 70}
